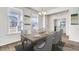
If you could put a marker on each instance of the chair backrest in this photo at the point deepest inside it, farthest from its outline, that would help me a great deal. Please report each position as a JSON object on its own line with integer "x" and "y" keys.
{"x": 59, "y": 35}
{"x": 23, "y": 33}
{"x": 48, "y": 43}
{"x": 52, "y": 39}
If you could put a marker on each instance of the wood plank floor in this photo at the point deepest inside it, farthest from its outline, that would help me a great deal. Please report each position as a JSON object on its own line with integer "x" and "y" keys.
{"x": 9, "y": 47}
{"x": 70, "y": 45}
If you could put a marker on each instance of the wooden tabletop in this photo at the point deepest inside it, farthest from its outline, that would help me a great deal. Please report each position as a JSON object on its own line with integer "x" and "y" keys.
{"x": 36, "y": 37}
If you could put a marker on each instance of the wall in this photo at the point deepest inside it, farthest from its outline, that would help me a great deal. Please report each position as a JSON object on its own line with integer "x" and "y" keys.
{"x": 30, "y": 12}
{"x": 6, "y": 38}
{"x": 58, "y": 16}
{"x": 47, "y": 23}
{"x": 71, "y": 30}
{"x": 40, "y": 22}
{"x": 74, "y": 29}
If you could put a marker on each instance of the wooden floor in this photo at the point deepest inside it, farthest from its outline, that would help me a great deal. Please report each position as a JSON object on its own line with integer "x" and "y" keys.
{"x": 68, "y": 47}
{"x": 9, "y": 47}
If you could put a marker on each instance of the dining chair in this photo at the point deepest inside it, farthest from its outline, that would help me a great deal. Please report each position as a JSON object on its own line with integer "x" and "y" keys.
{"x": 61, "y": 43}
{"x": 58, "y": 37}
{"x": 51, "y": 42}
{"x": 46, "y": 45}
{"x": 56, "y": 40}
{"x": 26, "y": 44}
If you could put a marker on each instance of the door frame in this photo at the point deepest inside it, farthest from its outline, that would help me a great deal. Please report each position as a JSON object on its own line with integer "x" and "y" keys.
{"x": 55, "y": 20}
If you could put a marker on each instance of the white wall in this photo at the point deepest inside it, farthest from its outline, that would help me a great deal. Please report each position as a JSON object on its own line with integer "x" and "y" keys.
{"x": 74, "y": 29}
{"x": 40, "y": 22}
{"x": 47, "y": 23}
{"x": 58, "y": 16}
{"x": 30, "y": 12}
{"x": 6, "y": 38}
{"x": 71, "y": 30}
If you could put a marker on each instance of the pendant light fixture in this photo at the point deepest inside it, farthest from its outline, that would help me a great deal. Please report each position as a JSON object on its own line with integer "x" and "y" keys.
{"x": 42, "y": 12}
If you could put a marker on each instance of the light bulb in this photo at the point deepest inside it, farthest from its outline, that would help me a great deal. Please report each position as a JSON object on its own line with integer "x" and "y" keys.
{"x": 39, "y": 13}
{"x": 44, "y": 13}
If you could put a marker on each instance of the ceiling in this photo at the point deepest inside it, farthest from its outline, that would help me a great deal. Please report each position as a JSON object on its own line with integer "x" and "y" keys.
{"x": 43, "y": 8}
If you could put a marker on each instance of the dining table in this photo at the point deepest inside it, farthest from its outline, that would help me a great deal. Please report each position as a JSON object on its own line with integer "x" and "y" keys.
{"x": 36, "y": 37}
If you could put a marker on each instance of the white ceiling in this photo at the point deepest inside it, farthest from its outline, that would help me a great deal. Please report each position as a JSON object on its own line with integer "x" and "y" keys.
{"x": 44, "y": 8}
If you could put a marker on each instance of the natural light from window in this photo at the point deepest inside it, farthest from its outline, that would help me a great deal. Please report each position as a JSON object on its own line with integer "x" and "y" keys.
{"x": 35, "y": 24}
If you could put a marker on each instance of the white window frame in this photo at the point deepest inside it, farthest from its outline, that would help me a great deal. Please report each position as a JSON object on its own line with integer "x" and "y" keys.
{"x": 37, "y": 19}
{"x": 21, "y": 20}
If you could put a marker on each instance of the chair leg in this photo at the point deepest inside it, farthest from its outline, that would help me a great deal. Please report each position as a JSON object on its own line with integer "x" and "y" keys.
{"x": 23, "y": 45}
{"x": 55, "y": 47}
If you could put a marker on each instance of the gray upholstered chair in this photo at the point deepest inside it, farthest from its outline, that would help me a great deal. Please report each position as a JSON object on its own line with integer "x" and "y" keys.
{"x": 61, "y": 43}
{"x": 58, "y": 37}
{"x": 26, "y": 44}
{"x": 51, "y": 43}
{"x": 46, "y": 45}
{"x": 55, "y": 41}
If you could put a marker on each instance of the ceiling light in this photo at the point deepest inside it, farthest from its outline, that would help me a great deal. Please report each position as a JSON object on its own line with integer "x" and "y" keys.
{"x": 39, "y": 13}
{"x": 42, "y": 12}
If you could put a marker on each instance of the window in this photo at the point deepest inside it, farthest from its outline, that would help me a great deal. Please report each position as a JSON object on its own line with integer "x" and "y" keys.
{"x": 74, "y": 19}
{"x": 15, "y": 20}
{"x": 35, "y": 23}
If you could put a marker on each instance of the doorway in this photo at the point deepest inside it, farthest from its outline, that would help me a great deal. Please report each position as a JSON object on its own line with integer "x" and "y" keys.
{"x": 60, "y": 24}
